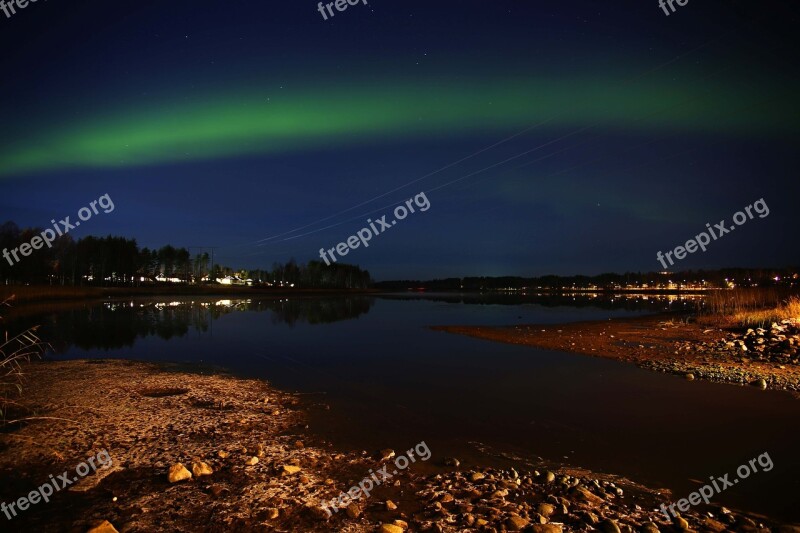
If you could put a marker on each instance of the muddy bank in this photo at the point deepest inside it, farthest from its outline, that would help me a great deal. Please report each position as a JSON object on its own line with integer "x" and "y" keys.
{"x": 662, "y": 343}
{"x": 256, "y": 467}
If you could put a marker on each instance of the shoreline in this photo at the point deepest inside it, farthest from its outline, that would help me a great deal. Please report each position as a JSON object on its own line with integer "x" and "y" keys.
{"x": 655, "y": 342}
{"x": 150, "y": 417}
{"x": 46, "y": 293}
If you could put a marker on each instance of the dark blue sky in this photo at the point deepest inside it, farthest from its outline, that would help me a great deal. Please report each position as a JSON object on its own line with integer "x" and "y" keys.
{"x": 223, "y": 123}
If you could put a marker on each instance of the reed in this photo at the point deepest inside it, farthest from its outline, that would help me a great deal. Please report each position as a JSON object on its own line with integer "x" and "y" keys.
{"x": 14, "y": 352}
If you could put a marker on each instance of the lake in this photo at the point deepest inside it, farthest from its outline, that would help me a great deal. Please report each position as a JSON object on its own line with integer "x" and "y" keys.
{"x": 391, "y": 382}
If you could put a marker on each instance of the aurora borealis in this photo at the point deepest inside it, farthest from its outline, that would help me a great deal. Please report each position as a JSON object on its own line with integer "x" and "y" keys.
{"x": 250, "y": 124}
{"x": 253, "y": 120}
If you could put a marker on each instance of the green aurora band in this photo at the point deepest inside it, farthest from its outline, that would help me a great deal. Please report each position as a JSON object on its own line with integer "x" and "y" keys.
{"x": 237, "y": 124}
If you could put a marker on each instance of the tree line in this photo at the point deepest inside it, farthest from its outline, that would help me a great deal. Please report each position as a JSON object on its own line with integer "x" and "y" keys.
{"x": 115, "y": 261}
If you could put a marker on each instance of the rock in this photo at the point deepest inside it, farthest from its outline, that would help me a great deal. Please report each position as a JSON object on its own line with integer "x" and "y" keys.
{"x": 589, "y": 517}
{"x": 649, "y": 528}
{"x": 680, "y": 523}
{"x": 299, "y": 444}
{"x": 390, "y": 505}
{"x": 273, "y": 513}
{"x": 401, "y": 524}
{"x": 178, "y": 472}
{"x": 583, "y": 494}
{"x": 538, "y": 519}
{"x": 549, "y": 477}
{"x": 476, "y": 476}
{"x": 353, "y": 510}
{"x": 546, "y": 509}
{"x": 760, "y": 383}
{"x": 452, "y": 461}
{"x": 447, "y": 497}
{"x": 516, "y": 523}
{"x": 743, "y": 522}
{"x": 545, "y": 528}
{"x": 390, "y": 528}
{"x": 218, "y": 491}
{"x": 387, "y": 454}
{"x": 690, "y": 376}
{"x": 315, "y": 512}
{"x": 608, "y": 526}
{"x": 201, "y": 469}
{"x": 104, "y": 527}
{"x": 222, "y": 454}
{"x": 713, "y": 525}
{"x": 252, "y": 461}
{"x": 290, "y": 469}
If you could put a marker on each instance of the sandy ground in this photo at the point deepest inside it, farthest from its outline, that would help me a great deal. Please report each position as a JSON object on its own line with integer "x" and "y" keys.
{"x": 266, "y": 472}
{"x": 654, "y": 342}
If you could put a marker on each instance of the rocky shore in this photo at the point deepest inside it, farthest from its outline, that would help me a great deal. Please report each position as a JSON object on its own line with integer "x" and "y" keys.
{"x": 210, "y": 452}
{"x": 765, "y": 358}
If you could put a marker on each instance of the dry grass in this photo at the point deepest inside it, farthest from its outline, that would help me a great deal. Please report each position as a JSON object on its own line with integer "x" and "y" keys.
{"x": 14, "y": 351}
{"x": 790, "y": 309}
{"x": 730, "y": 302}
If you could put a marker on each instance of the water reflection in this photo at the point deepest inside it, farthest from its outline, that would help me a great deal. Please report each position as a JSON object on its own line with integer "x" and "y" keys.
{"x": 650, "y": 302}
{"x": 118, "y": 324}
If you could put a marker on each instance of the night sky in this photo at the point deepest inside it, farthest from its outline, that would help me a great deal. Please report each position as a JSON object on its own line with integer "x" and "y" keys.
{"x": 550, "y": 137}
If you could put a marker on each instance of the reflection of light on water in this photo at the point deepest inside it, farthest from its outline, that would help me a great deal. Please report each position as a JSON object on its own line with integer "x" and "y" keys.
{"x": 231, "y": 303}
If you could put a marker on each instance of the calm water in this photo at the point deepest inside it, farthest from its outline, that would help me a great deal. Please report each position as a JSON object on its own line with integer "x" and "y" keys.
{"x": 392, "y": 382}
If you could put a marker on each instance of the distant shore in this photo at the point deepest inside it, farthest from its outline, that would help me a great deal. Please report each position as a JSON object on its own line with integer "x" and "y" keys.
{"x": 663, "y": 343}
{"x": 31, "y": 293}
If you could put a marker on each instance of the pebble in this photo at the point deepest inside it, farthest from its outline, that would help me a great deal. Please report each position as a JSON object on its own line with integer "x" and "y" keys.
{"x": 104, "y": 527}
{"x": 178, "y": 472}
{"x": 608, "y": 526}
{"x": 201, "y": 468}
{"x": 516, "y": 523}
{"x": 291, "y": 469}
{"x": 387, "y": 454}
{"x": 476, "y": 476}
{"x": 546, "y": 509}
{"x": 354, "y": 510}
